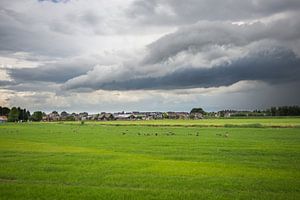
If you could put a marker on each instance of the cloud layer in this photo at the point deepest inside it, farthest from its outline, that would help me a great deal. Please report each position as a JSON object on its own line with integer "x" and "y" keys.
{"x": 207, "y": 54}
{"x": 129, "y": 53}
{"x": 191, "y": 11}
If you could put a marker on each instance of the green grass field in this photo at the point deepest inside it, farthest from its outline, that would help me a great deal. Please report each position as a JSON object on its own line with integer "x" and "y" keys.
{"x": 214, "y": 122}
{"x": 105, "y": 161}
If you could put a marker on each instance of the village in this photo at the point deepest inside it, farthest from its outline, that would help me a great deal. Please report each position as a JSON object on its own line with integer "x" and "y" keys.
{"x": 17, "y": 114}
{"x": 103, "y": 116}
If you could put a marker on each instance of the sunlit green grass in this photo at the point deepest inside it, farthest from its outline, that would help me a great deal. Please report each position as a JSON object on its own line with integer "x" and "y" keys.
{"x": 92, "y": 161}
{"x": 243, "y": 122}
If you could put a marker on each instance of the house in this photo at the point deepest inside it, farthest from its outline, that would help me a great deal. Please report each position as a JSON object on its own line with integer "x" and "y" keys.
{"x": 183, "y": 115}
{"x": 227, "y": 114}
{"x": 106, "y": 117}
{"x": 140, "y": 116}
{"x": 45, "y": 118}
{"x": 198, "y": 115}
{"x": 92, "y": 117}
{"x": 54, "y": 116}
{"x": 156, "y": 115}
{"x": 83, "y": 116}
{"x": 172, "y": 115}
{"x": 124, "y": 116}
{"x": 3, "y": 119}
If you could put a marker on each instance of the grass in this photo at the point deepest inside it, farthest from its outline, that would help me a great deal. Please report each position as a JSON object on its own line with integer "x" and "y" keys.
{"x": 284, "y": 122}
{"x": 92, "y": 161}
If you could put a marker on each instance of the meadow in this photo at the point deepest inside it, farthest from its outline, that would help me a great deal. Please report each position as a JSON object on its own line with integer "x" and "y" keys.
{"x": 255, "y": 122}
{"x": 172, "y": 159}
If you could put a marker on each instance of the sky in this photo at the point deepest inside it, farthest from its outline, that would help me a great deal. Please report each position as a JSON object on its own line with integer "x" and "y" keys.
{"x": 149, "y": 55}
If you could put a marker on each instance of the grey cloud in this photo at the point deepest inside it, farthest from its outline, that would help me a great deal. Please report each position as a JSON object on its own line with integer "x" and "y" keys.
{"x": 56, "y": 72}
{"x": 61, "y": 70}
{"x": 90, "y": 18}
{"x": 191, "y": 11}
{"x": 55, "y": 1}
{"x": 218, "y": 33}
{"x": 20, "y": 33}
{"x": 34, "y": 86}
{"x": 74, "y": 23}
{"x": 273, "y": 66}
{"x": 6, "y": 83}
{"x": 207, "y": 51}
{"x": 266, "y": 54}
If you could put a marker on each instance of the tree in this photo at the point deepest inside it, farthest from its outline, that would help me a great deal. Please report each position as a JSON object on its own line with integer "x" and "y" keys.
{"x": 4, "y": 111}
{"x": 13, "y": 115}
{"x": 37, "y": 116}
{"x": 64, "y": 114}
{"x": 273, "y": 111}
{"x": 55, "y": 112}
{"x": 165, "y": 115}
{"x": 198, "y": 110}
{"x": 20, "y": 111}
{"x": 28, "y": 115}
{"x": 25, "y": 115}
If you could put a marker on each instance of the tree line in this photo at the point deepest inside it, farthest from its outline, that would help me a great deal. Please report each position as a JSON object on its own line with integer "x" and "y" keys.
{"x": 284, "y": 111}
{"x": 16, "y": 114}
{"x": 273, "y": 111}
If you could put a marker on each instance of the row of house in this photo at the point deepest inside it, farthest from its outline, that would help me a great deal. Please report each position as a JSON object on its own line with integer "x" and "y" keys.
{"x": 64, "y": 116}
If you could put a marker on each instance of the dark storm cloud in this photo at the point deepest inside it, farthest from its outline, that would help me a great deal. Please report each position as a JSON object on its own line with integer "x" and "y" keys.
{"x": 58, "y": 72}
{"x": 191, "y": 11}
{"x": 206, "y": 48}
{"x": 255, "y": 51}
{"x": 44, "y": 74}
{"x": 61, "y": 70}
{"x": 6, "y": 83}
{"x": 198, "y": 36}
{"x": 274, "y": 66}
